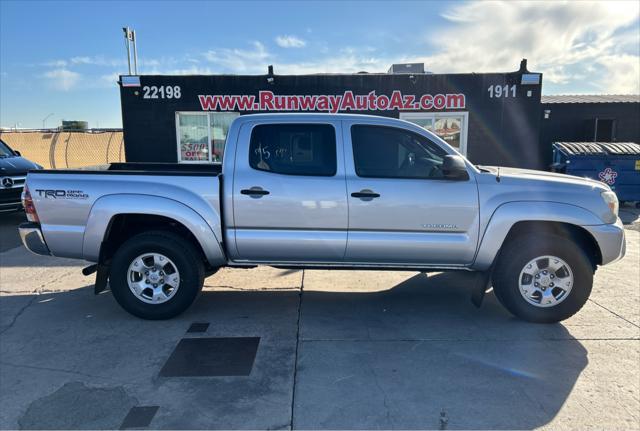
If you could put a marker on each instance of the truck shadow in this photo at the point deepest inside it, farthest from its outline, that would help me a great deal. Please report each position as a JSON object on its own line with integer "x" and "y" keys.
{"x": 421, "y": 348}
{"x": 394, "y": 358}
{"x": 9, "y": 237}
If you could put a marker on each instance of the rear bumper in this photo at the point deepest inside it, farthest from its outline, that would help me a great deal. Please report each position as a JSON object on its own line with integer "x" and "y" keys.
{"x": 32, "y": 238}
{"x": 610, "y": 239}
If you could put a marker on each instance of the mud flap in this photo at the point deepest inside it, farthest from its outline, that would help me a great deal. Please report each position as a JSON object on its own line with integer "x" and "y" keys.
{"x": 480, "y": 287}
{"x": 101, "y": 269}
{"x": 102, "y": 276}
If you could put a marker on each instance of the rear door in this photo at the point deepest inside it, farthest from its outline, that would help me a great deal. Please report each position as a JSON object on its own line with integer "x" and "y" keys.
{"x": 289, "y": 193}
{"x": 401, "y": 209}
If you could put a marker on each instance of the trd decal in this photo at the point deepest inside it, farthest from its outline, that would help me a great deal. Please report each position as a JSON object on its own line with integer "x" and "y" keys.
{"x": 61, "y": 194}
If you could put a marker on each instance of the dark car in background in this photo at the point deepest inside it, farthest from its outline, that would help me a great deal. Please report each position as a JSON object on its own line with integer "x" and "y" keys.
{"x": 13, "y": 171}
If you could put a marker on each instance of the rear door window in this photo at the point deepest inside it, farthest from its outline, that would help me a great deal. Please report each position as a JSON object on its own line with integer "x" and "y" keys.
{"x": 294, "y": 149}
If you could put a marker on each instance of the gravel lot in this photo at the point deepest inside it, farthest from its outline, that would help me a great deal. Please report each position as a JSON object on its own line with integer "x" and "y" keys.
{"x": 335, "y": 349}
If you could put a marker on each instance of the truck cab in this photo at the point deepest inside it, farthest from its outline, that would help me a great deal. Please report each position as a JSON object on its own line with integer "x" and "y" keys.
{"x": 341, "y": 191}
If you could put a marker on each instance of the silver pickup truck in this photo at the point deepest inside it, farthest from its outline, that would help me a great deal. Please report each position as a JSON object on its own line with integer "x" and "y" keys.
{"x": 327, "y": 191}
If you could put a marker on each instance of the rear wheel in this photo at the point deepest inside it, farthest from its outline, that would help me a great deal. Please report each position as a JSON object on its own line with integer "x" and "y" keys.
{"x": 156, "y": 275}
{"x": 543, "y": 278}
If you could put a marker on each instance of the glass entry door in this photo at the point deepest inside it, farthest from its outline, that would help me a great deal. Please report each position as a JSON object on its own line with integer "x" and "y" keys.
{"x": 449, "y": 126}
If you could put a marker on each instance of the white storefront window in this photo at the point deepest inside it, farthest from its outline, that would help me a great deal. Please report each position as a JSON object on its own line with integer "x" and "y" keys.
{"x": 201, "y": 136}
{"x": 449, "y": 126}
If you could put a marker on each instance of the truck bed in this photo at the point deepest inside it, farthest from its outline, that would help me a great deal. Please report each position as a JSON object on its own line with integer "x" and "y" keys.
{"x": 72, "y": 202}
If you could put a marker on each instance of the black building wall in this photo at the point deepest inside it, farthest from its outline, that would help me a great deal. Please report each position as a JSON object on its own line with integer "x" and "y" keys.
{"x": 575, "y": 122}
{"x": 502, "y": 130}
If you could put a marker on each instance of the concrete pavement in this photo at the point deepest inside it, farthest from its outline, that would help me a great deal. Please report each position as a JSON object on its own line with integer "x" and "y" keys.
{"x": 337, "y": 349}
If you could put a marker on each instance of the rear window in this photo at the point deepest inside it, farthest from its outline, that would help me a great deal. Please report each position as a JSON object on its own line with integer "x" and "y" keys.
{"x": 294, "y": 149}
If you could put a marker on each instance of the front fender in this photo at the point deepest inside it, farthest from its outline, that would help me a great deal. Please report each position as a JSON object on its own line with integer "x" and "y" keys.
{"x": 508, "y": 214}
{"x": 107, "y": 207}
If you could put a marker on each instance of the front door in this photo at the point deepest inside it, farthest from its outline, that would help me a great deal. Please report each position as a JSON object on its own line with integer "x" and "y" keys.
{"x": 289, "y": 194}
{"x": 401, "y": 209}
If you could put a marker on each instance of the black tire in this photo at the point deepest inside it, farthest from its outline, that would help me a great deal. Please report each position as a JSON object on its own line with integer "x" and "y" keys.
{"x": 521, "y": 250}
{"x": 180, "y": 251}
{"x": 211, "y": 272}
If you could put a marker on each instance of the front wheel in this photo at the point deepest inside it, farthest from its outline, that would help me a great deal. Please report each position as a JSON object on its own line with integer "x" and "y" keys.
{"x": 543, "y": 278}
{"x": 156, "y": 275}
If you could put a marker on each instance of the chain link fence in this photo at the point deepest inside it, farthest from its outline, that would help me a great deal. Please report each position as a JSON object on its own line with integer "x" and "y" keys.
{"x": 55, "y": 149}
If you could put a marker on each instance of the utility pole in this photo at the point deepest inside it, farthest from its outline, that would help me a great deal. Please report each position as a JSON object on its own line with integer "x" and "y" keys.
{"x": 127, "y": 33}
{"x": 135, "y": 52}
{"x": 130, "y": 39}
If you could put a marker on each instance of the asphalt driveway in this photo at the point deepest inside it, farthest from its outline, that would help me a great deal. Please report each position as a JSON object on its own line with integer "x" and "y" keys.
{"x": 267, "y": 348}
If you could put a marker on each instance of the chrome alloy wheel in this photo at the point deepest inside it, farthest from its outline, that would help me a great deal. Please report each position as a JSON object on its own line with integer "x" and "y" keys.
{"x": 546, "y": 281}
{"x": 153, "y": 278}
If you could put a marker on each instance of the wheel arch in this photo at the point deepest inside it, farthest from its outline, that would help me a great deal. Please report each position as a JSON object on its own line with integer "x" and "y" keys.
{"x": 115, "y": 218}
{"x": 561, "y": 219}
{"x": 577, "y": 234}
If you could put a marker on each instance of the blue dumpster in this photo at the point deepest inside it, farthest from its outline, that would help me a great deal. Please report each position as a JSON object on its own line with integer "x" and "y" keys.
{"x": 614, "y": 163}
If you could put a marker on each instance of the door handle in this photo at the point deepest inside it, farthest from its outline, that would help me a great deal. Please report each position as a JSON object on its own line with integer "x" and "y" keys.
{"x": 254, "y": 192}
{"x": 365, "y": 194}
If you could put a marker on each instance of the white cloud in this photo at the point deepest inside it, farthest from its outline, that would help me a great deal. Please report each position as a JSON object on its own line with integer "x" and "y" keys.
{"x": 561, "y": 39}
{"x": 55, "y": 63}
{"x": 82, "y": 60}
{"x": 290, "y": 41}
{"x": 192, "y": 70}
{"x": 62, "y": 79}
{"x": 97, "y": 60}
{"x": 346, "y": 61}
{"x": 256, "y": 59}
{"x": 102, "y": 61}
{"x": 109, "y": 79}
{"x": 240, "y": 60}
{"x": 623, "y": 74}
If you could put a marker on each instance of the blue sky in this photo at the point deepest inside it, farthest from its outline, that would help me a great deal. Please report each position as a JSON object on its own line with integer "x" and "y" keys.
{"x": 64, "y": 57}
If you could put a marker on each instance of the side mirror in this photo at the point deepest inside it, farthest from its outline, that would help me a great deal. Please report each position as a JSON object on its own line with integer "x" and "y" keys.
{"x": 454, "y": 168}
{"x": 17, "y": 153}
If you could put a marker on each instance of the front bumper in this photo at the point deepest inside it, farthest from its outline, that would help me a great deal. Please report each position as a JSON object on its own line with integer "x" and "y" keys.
{"x": 10, "y": 207}
{"x": 10, "y": 199}
{"x": 32, "y": 238}
{"x": 610, "y": 239}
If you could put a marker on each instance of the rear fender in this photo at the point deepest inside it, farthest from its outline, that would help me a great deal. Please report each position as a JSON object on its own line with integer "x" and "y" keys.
{"x": 105, "y": 208}
{"x": 511, "y": 213}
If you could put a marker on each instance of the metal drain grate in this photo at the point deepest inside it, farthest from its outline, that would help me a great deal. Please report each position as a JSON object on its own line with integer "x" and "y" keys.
{"x": 207, "y": 357}
{"x": 139, "y": 417}
{"x": 198, "y": 327}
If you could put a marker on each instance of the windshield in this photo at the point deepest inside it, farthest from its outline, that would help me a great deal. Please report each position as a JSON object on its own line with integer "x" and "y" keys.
{"x": 5, "y": 151}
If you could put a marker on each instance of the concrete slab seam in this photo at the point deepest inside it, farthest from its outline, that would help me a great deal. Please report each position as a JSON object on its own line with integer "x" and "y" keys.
{"x": 614, "y": 313}
{"x": 295, "y": 357}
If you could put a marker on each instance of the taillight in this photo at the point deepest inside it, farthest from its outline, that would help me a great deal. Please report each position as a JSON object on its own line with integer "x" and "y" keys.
{"x": 29, "y": 208}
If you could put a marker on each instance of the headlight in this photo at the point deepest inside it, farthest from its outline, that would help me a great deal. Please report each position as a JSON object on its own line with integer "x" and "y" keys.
{"x": 611, "y": 200}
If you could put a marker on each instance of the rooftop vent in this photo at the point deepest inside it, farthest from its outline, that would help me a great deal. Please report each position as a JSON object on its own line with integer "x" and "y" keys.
{"x": 407, "y": 68}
